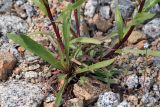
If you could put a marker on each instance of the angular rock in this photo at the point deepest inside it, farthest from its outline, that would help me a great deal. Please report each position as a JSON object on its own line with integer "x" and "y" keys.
{"x": 126, "y": 7}
{"x": 136, "y": 36}
{"x": 29, "y": 10}
{"x": 132, "y": 81}
{"x": 124, "y": 104}
{"x": 108, "y": 99}
{"x": 7, "y": 62}
{"x": 90, "y": 8}
{"x": 105, "y": 12}
{"x": 101, "y": 23}
{"x": 5, "y": 5}
{"x": 74, "y": 103}
{"x": 89, "y": 90}
{"x": 152, "y": 28}
{"x": 148, "y": 100}
{"x": 50, "y": 98}
{"x": 148, "y": 83}
{"x": 31, "y": 74}
{"x": 20, "y": 94}
{"x": 133, "y": 100}
{"x": 12, "y": 24}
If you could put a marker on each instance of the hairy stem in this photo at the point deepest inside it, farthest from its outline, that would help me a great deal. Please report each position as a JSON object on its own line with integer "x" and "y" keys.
{"x": 55, "y": 27}
{"x": 120, "y": 43}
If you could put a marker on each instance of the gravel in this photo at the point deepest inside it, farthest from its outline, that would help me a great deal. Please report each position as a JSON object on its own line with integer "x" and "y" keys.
{"x": 12, "y": 24}
{"x": 20, "y": 94}
{"x": 5, "y": 5}
{"x": 126, "y": 7}
{"x": 152, "y": 28}
{"x": 105, "y": 12}
{"x": 148, "y": 100}
{"x": 132, "y": 81}
{"x": 124, "y": 104}
{"x": 108, "y": 99}
{"x": 90, "y": 8}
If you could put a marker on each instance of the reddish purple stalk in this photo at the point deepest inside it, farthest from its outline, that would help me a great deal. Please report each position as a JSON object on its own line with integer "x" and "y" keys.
{"x": 76, "y": 19}
{"x": 55, "y": 27}
{"x": 119, "y": 44}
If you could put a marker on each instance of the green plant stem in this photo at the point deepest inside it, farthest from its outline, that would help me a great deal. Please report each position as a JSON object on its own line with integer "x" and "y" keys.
{"x": 119, "y": 44}
{"x": 55, "y": 27}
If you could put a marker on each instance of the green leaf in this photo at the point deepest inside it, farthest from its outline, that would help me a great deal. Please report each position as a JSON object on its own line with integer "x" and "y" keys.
{"x": 36, "y": 48}
{"x": 66, "y": 31}
{"x": 83, "y": 80}
{"x": 137, "y": 52}
{"x": 96, "y": 66}
{"x": 60, "y": 93}
{"x": 141, "y": 17}
{"x": 149, "y": 4}
{"x": 119, "y": 22}
{"x": 85, "y": 40}
{"x": 40, "y": 5}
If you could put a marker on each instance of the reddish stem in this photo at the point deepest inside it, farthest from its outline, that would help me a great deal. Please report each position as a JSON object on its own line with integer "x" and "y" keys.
{"x": 119, "y": 44}
{"x": 55, "y": 27}
{"x": 76, "y": 19}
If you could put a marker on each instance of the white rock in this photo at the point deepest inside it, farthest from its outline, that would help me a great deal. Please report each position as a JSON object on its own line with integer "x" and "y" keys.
{"x": 105, "y": 11}
{"x": 20, "y": 94}
{"x": 49, "y": 98}
{"x": 132, "y": 81}
{"x": 90, "y": 8}
{"x": 31, "y": 74}
{"x": 152, "y": 28}
{"x": 108, "y": 99}
{"x": 12, "y": 24}
{"x": 148, "y": 100}
{"x": 124, "y": 104}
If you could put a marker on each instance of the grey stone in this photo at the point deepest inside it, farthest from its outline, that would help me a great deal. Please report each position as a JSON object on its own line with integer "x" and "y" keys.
{"x": 156, "y": 61}
{"x": 29, "y": 10}
{"x": 31, "y": 74}
{"x": 155, "y": 9}
{"x": 126, "y": 7}
{"x": 50, "y": 98}
{"x": 8, "y": 47}
{"x": 124, "y": 104}
{"x": 148, "y": 83}
{"x": 148, "y": 100}
{"x": 105, "y": 12}
{"x": 104, "y": 1}
{"x": 108, "y": 99}
{"x": 152, "y": 28}
{"x": 20, "y": 94}
{"x": 156, "y": 89}
{"x": 12, "y": 24}
{"x": 5, "y": 5}
{"x": 90, "y": 8}
{"x": 132, "y": 81}
{"x": 20, "y": 2}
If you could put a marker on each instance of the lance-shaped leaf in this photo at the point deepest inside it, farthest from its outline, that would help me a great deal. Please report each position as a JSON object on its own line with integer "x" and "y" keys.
{"x": 96, "y": 66}
{"x": 149, "y": 4}
{"x": 85, "y": 40}
{"x": 36, "y": 48}
{"x": 141, "y": 17}
{"x": 141, "y": 52}
{"x": 60, "y": 92}
{"x": 119, "y": 22}
{"x": 40, "y": 5}
{"x": 66, "y": 30}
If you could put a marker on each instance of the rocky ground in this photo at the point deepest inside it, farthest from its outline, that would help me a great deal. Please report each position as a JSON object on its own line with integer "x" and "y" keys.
{"x": 25, "y": 79}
